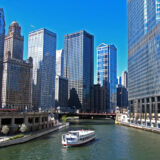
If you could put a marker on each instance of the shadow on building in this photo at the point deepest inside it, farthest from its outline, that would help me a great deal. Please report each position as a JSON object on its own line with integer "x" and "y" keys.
{"x": 74, "y": 101}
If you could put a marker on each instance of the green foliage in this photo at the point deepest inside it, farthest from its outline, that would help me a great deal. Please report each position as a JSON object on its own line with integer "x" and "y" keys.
{"x": 65, "y": 118}
{"x": 17, "y": 136}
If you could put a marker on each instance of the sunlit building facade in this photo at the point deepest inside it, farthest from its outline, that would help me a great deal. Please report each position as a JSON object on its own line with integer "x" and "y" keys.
{"x": 125, "y": 79}
{"x": 42, "y": 48}
{"x": 144, "y": 61}
{"x": 107, "y": 73}
{"x": 79, "y": 68}
{"x": 59, "y": 62}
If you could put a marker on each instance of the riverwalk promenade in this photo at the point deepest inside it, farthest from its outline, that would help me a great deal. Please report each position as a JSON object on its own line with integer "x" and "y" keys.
{"x": 33, "y": 135}
{"x": 142, "y": 127}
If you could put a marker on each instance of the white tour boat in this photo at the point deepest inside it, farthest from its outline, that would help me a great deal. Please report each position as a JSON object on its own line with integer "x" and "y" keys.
{"x": 79, "y": 137}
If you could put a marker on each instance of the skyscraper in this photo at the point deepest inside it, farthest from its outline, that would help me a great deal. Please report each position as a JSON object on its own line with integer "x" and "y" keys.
{"x": 14, "y": 41}
{"x": 119, "y": 81}
{"x": 98, "y": 99}
{"x": 144, "y": 60}
{"x": 59, "y": 62}
{"x": 42, "y": 48}
{"x": 61, "y": 91}
{"x": 17, "y": 74}
{"x": 78, "y": 68}
{"x": 107, "y": 73}
{"x": 122, "y": 96}
{"x": 2, "y": 36}
{"x": 2, "y": 33}
{"x": 125, "y": 79}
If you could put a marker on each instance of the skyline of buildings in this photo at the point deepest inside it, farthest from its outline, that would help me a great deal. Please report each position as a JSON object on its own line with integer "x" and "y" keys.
{"x": 79, "y": 69}
{"x": 42, "y": 48}
{"x": 75, "y": 62}
{"x": 107, "y": 73}
{"x": 144, "y": 61}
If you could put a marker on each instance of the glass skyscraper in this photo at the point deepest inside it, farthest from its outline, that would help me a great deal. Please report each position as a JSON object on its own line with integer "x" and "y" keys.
{"x": 2, "y": 36}
{"x": 2, "y": 33}
{"x": 42, "y": 48}
{"x": 144, "y": 60}
{"x": 107, "y": 73}
{"x": 79, "y": 68}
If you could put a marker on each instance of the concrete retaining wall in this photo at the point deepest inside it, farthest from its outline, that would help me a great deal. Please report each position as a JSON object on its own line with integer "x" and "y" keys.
{"x": 31, "y": 137}
{"x": 151, "y": 129}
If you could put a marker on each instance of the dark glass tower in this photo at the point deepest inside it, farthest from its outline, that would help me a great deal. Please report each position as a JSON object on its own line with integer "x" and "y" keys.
{"x": 78, "y": 68}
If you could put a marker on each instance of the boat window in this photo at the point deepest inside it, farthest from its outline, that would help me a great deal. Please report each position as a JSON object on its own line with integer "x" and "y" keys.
{"x": 74, "y": 134}
{"x": 70, "y": 139}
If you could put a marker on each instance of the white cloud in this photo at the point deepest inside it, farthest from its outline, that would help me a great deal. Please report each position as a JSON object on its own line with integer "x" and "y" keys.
{"x": 32, "y": 26}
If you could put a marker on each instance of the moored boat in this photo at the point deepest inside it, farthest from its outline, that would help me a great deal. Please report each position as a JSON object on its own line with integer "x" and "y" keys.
{"x": 79, "y": 137}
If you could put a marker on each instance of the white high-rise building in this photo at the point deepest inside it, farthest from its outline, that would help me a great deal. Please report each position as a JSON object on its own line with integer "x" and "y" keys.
{"x": 119, "y": 80}
{"x": 42, "y": 48}
{"x": 125, "y": 79}
{"x": 59, "y": 62}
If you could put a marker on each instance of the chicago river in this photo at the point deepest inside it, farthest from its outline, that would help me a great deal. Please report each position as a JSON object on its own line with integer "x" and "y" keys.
{"x": 112, "y": 142}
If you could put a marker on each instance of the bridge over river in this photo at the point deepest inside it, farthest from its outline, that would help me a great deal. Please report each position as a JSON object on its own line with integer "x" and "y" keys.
{"x": 89, "y": 115}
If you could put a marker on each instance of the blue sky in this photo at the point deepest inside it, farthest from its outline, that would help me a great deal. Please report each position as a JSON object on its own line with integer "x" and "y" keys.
{"x": 105, "y": 19}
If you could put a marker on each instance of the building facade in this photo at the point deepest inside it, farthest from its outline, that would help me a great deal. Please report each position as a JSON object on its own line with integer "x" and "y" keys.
{"x": 14, "y": 41}
{"x": 59, "y": 62}
{"x": 98, "y": 99}
{"x": 122, "y": 96}
{"x": 125, "y": 79}
{"x": 61, "y": 92}
{"x": 42, "y": 48}
{"x": 33, "y": 120}
{"x": 79, "y": 68}
{"x": 17, "y": 74}
{"x": 144, "y": 61}
{"x": 107, "y": 73}
{"x": 2, "y": 33}
{"x": 119, "y": 81}
{"x": 2, "y": 36}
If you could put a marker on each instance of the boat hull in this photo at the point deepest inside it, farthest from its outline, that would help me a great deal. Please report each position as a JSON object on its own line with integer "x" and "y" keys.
{"x": 79, "y": 144}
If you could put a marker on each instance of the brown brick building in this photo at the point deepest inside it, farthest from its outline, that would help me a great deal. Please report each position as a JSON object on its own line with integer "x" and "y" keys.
{"x": 17, "y": 74}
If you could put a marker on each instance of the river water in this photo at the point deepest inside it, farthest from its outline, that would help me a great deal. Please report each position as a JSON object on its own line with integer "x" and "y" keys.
{"x": 113, "y": 142}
